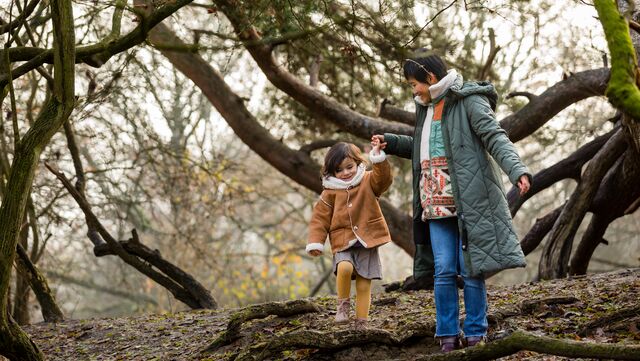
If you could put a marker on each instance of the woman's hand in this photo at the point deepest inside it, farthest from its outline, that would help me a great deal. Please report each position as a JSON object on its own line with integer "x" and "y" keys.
{"x": 315, "y": 252}
{"x": 523, "y": 184}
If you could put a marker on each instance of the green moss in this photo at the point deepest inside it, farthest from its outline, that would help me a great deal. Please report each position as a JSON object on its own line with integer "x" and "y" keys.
{"x": 622, "y": 90}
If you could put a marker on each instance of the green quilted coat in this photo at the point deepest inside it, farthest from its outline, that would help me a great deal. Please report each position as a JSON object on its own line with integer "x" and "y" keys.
{"x": 471, "y": 133}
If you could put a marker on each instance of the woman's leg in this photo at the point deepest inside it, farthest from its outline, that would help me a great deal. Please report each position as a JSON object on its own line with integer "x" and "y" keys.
{"x": 363, "y": 297}
{"x": 444, "y": 243}
{"x": 475, "y": 303}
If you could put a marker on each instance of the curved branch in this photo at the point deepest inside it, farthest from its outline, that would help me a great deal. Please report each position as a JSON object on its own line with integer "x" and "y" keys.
{"x": 95, "y": 54}
{"x": 527, "y": 95}
{"x": 319, "y": 104}
{"x": 20, "y": 18}
{"x": 555, "y": 257}
{"x": 308, "y": 148}
{"x": 569, "y": 167}
{"x": 540, "y": 229}
{"x": 616, "y": 194}
{"x": 553, "y": 100}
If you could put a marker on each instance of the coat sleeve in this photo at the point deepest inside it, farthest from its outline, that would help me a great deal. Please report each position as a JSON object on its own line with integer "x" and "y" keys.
{"x": 381, "y": 177}
{"x": 494, "y": 138}
{"x": 320, "y": 222}
{"x": 400, "y": 145}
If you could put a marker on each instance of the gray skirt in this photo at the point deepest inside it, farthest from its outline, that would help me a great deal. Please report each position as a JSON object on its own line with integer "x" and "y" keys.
{"x": 365, "y": 261}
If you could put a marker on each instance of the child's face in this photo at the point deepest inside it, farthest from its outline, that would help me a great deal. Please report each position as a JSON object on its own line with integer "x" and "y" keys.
{"x": 420, "y": 89}
{"x": 346, "y": 170}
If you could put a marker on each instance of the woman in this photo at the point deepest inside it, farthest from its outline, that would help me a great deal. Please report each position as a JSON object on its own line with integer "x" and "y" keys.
{"x": 461, "y": 221}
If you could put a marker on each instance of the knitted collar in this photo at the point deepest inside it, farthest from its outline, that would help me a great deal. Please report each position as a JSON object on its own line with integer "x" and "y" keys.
{"x": 331, "y": 182}
{"x": 438, "y": 89}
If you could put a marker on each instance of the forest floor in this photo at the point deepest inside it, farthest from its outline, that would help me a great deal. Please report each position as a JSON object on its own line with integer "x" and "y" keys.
{"x": 600, "y": 308}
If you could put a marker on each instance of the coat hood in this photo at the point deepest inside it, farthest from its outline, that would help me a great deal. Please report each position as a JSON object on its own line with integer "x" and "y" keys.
{"x": 465, "y": 89}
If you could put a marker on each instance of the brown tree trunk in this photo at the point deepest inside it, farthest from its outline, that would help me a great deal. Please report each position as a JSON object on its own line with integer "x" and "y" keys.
{"x": 554, "y": 262}
{"x": 618, "y": 191}
{"x": 22, "y": 293}
{"x": 14, "y": 343}
{"x": 51, "y": 312}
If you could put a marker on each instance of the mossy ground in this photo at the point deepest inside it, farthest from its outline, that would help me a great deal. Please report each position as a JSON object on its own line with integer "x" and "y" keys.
{"x": 181, "y": 336}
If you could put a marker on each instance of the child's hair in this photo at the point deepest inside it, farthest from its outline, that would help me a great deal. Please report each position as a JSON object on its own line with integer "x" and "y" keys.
{"x": 417, "y": 67}
{"x": 337, "y": 153}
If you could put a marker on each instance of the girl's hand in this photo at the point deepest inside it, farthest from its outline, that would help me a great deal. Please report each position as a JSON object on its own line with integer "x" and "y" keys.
{"x": 378, "y": 139}
{"x": 315, "y": 253}
{"x": 523, "y": 184}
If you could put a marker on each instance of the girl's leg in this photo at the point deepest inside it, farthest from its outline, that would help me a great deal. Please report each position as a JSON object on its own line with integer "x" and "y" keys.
{"x": 343, "y": 279}
{"x": 475, "y": 303}
{"x": 363, "y": 297}
{"x": 444, "y": 243}
{"x": 343, "y": 288}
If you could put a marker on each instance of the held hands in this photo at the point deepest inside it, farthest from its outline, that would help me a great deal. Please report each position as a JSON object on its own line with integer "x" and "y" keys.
{"x": 315, "y": 252}
{"x": 377, "y": 142}
{"x": 523, "y": 184}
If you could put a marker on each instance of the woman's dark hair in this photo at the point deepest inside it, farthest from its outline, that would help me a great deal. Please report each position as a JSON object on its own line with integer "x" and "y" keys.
{"x": 337, "y": 153}
{"x": 418, "y": 67}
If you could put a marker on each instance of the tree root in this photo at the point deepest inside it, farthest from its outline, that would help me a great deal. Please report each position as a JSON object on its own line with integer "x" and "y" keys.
{"x": 529, "y": 306}
{"x": 333, "y": 341}
{"x": 524, "y": 341}
{"x": 608, "y": 319}
{"x": 282, "y": 309}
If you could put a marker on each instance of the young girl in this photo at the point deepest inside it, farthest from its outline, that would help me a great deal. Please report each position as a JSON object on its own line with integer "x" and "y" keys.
{"x": 348, "y": 211}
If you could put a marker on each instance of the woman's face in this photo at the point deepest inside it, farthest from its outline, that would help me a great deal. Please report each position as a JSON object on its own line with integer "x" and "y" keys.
{"x": 347, "y": 169}
{"x": 421, "y": 89}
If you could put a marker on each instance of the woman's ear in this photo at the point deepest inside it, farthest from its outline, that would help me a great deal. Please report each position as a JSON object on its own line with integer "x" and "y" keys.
{"x": 432, "y": 78}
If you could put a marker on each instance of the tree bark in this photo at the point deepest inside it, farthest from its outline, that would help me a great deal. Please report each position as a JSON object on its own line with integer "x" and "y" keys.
{"x": 22, "y": 293}
{"x": 14, "y": 343}
{"x": 622, "y": 90}
{"x": 555, "y": 256}
{"x": 569, "y": 167}
{"x": 616, "y": 194}
{"x": 51, "y": 312}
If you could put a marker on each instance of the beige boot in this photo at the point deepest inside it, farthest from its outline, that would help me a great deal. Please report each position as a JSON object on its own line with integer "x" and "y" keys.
{"x": 344, "y": 307}
{"x": 361, "y": 324}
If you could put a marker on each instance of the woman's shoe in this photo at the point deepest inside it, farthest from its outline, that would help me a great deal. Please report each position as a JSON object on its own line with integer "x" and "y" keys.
{"x": 449, "y": 343}
{"x": 342, "y": 313}
{"x": 475, "y": 340}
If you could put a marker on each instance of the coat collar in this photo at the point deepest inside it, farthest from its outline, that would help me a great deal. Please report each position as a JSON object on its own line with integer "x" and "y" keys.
{"x": 439, "y": 89}
{"x": 331, "y": 182}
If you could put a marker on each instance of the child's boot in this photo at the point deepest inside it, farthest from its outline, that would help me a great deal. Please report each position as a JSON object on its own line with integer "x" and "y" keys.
{"x": 342, "y": 313}
{"x": 361, "y": 324}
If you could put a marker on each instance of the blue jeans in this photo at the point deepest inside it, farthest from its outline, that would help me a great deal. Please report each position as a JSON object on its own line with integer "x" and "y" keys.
{"x": 449, "y": 262}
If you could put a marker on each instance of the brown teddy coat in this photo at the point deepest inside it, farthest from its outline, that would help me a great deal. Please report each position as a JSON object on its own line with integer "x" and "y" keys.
{"x": 350, "y": 212}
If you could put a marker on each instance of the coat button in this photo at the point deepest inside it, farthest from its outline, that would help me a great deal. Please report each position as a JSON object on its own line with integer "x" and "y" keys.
{"x": 355, "y": 228}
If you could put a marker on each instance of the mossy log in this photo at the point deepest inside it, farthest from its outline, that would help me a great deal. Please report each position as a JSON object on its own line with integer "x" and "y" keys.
{"x": 334, "y": 341}
{"x": 608, "y": 319}
{"x": 281, "y": 309}
{"x": 525, "y": 341}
